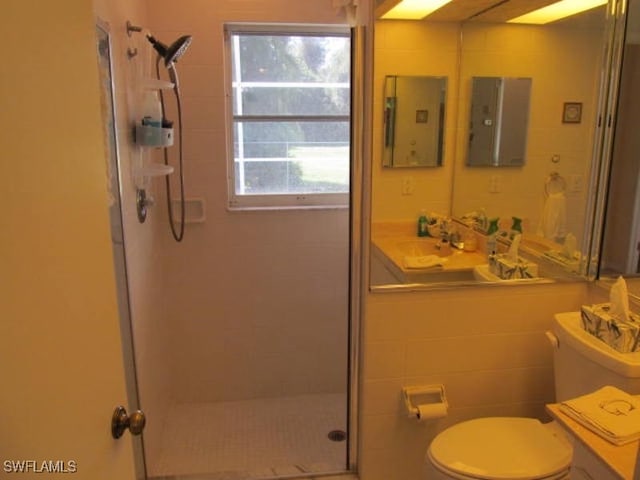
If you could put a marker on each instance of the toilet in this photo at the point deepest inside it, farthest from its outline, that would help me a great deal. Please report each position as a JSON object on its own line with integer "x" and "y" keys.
{"x": 517, "y": 448}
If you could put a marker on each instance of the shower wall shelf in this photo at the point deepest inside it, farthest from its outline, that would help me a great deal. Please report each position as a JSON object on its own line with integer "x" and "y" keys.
{"x": 155, "y": 170}
{"x": 149, "y": 135}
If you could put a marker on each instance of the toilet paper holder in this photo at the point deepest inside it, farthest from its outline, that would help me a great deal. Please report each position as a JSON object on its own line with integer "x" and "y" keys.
{"x": 421, "y": 397}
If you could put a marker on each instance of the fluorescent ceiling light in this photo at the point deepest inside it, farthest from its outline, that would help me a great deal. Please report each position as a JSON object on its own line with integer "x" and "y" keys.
{"x": 558, "y": 10}
{"x": 413, "y": 9}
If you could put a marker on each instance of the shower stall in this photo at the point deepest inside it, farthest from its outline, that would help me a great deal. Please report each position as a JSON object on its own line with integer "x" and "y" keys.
{"x": 242, "y": 330}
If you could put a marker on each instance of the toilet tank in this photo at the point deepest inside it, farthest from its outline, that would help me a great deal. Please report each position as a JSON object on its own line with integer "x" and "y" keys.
{"x": 582, "y": 363}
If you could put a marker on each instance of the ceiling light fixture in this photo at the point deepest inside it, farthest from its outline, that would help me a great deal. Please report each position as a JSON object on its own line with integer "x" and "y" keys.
{"x": 413, "y": 9}
{"x": 556, "y": 11}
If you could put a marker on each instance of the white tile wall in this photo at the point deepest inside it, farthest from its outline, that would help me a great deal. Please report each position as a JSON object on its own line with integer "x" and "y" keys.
{"x": 486, "y": 346}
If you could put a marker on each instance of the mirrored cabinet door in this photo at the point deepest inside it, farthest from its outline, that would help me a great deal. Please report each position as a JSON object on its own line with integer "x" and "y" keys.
{"x": 620, "y": 254}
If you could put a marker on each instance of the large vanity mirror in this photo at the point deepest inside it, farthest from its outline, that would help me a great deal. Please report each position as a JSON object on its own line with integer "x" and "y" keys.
{"x": 545, "y": 202}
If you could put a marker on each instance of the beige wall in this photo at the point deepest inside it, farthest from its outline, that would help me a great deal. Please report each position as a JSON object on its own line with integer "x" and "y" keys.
{"x": 563, "y": 63}
{"x": 414, "y": 49}
{"x": 61, "y": 357}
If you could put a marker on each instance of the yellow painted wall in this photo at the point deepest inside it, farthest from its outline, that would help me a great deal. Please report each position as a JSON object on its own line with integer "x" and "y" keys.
{"x": 413, "y": 49}
{"x": 61, "y": 360}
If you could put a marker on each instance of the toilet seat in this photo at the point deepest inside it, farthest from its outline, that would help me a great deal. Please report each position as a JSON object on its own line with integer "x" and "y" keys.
{"x": 504, "y": 448}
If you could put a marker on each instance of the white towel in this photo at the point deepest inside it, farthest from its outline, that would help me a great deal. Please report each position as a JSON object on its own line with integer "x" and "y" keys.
{"x": 608, "y": 412}
{"x": 554, "y": 217}
{"x": 424, "y": 261}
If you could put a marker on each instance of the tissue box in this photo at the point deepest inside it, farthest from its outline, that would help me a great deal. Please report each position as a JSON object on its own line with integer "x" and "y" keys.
{"x": 619, "y": 334}
{"x": 504, "y": 267}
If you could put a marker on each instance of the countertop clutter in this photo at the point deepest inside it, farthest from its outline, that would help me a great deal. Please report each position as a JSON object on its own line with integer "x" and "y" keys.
{"x": 403, "y": 252}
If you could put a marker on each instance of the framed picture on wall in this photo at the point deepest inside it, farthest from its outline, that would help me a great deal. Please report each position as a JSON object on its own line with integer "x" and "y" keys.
{"x": 572, "y": 112}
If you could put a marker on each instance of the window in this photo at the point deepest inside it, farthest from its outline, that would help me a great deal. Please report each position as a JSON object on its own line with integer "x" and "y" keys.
{"x": 290, "y": 116}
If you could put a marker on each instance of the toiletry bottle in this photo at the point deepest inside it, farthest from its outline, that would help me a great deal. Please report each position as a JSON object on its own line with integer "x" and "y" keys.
{"x": 151, "y": 110}
{"x": 469, "y": 239}
{"x": 422, "y": 225}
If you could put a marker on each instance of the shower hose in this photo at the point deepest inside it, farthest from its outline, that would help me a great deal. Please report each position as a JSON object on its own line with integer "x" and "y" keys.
{"x": 178, "y": 233}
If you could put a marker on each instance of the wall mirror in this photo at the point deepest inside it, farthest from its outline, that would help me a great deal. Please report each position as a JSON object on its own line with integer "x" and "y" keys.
{"x": 414, "y": 113}
{"x": 498, "y": 121}
{"x": 620, "y": 254}
{"x": 547, "y": 199}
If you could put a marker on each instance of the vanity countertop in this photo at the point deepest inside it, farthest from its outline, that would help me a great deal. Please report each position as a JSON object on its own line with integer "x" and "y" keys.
{"x": 619, "y": 459}
{"x": 397, "y": 240}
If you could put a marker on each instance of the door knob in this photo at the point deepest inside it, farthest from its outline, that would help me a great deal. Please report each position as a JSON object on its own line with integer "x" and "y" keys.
{"x": 121, "y": 421}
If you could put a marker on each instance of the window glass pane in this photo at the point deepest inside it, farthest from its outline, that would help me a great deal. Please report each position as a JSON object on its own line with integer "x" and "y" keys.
{"x": 293, "y": 58}
{"x": 291, "y": 157}
{"x": 294, "y": 100}
{"x": 285, "y": 74}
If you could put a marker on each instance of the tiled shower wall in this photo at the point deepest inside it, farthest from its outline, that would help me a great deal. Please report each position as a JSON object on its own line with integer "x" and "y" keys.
{"x": 258, "y": 299}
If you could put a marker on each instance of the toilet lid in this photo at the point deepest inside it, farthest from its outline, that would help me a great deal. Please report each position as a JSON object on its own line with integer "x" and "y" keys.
{"x": 501, "y": 448}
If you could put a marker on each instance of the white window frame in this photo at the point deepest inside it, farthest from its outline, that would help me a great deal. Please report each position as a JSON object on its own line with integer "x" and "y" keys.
{"x": 277, "y": 201}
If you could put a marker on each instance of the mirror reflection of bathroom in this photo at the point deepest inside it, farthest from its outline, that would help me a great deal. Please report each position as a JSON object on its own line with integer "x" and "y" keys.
{"x": 552, "y": 135}
{"x": 414, "y": 118}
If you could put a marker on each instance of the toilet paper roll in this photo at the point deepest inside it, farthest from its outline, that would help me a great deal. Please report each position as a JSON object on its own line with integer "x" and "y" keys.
{"x": 431, "y": 411}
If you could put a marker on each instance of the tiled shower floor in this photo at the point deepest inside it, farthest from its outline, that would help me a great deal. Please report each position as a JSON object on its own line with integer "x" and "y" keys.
{"x": 253, "y": 438}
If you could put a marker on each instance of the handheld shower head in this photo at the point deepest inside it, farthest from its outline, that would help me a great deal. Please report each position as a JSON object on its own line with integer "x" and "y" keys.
{"x": 174, "y": 51}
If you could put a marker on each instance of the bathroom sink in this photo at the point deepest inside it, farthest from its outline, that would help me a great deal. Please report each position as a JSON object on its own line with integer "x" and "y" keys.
{"x": 417, "y": 248}
{"x": 482, "y": 274}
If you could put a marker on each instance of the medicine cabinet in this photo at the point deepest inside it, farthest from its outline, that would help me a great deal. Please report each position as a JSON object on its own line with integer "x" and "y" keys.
{"x": 498, "y": 121}
{"x": 414, "y": 114}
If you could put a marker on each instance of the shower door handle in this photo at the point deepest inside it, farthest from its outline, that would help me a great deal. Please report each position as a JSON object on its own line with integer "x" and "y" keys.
{"x": 121, "y": 421}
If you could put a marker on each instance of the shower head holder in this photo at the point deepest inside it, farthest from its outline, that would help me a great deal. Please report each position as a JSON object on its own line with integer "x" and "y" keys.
{"x": 169, "y": 53}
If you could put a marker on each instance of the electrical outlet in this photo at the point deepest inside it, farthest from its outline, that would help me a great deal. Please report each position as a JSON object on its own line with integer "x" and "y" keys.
{"x": 575, "y": 183}
{"x": 408, "y": 185}
{"x": 495, "y": 184}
